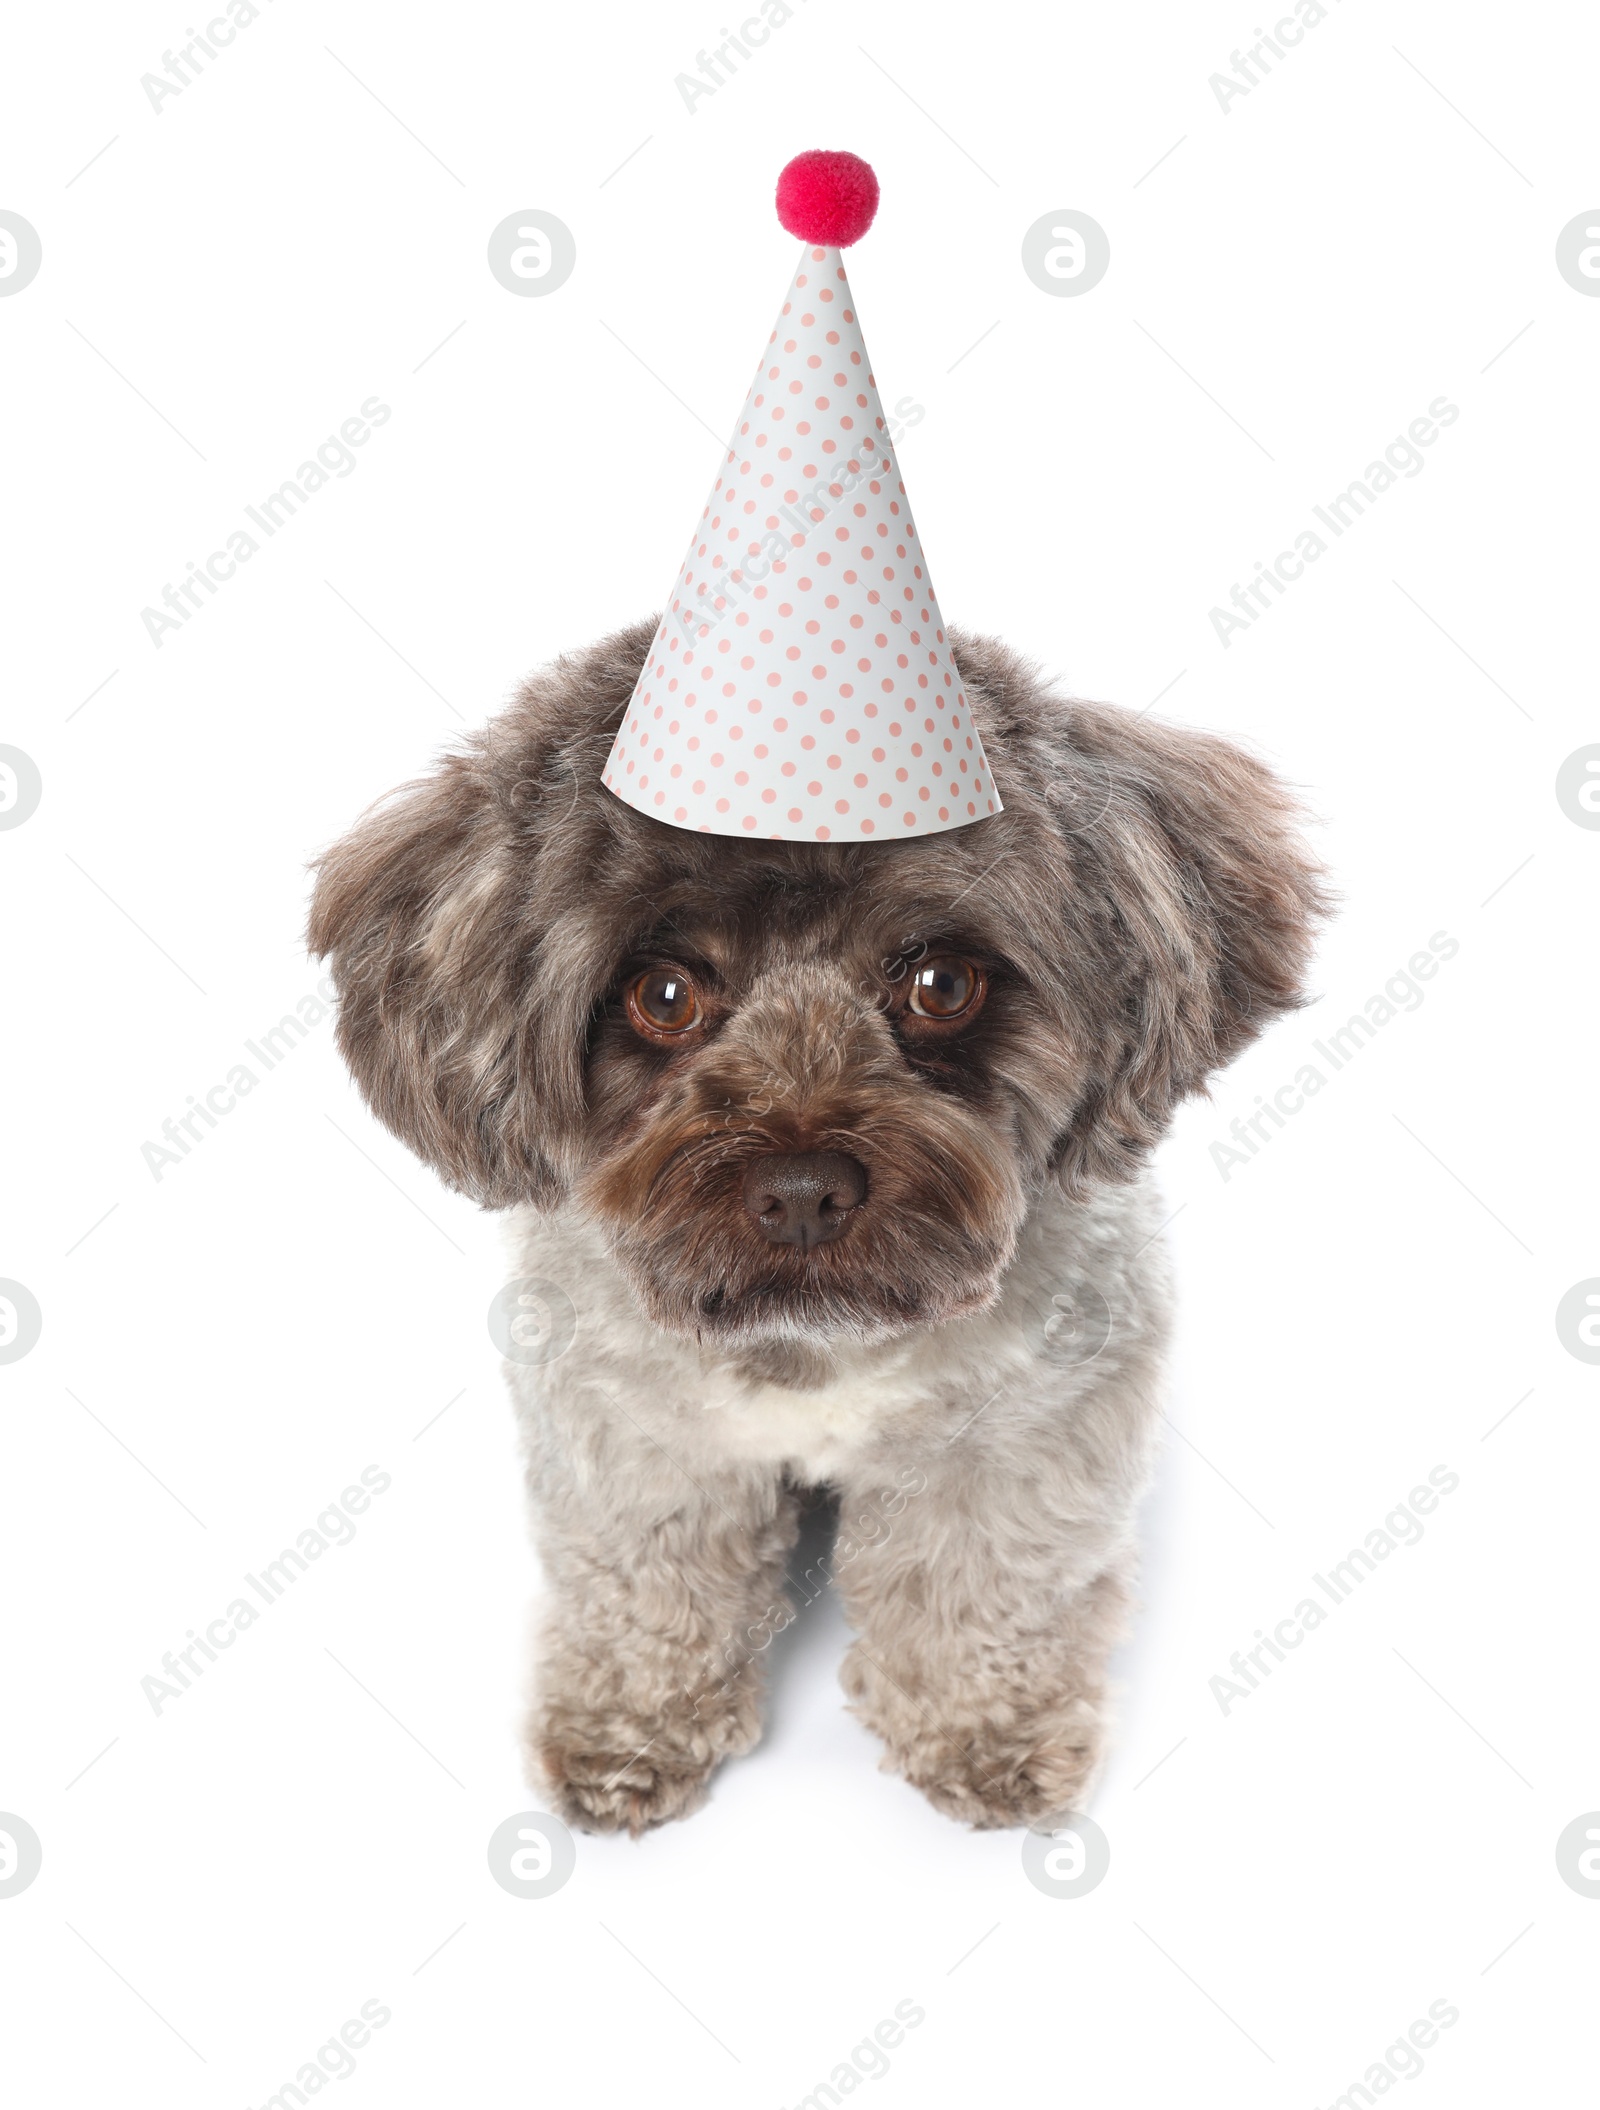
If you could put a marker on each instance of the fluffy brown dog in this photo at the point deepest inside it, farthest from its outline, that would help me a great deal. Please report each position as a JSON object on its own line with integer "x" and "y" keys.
{"x": 837, "y": 1150}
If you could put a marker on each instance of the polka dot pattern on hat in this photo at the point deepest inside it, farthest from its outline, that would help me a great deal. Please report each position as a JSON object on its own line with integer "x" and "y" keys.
{"x": 801, "y": 683}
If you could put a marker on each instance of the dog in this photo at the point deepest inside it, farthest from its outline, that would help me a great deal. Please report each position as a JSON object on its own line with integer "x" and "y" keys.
{"x": 839, "y": 1151}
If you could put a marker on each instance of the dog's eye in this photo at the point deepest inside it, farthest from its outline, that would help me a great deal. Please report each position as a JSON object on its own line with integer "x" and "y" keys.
{"x": 662, "y": 1003}
{"x": 946, "y": 989}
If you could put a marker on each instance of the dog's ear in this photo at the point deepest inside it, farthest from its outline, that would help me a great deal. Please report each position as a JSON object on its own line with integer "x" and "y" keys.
{"x": 1199, "y": 897}
{"x": 465, "y": 991}
{"x": 417, "y": 911}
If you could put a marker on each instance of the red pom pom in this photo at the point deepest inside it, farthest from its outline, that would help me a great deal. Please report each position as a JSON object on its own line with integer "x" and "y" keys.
{"x": 828, "y": 198}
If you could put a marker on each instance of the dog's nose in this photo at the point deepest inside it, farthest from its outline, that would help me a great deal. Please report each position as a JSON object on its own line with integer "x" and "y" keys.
{"x": 804, "y": 1200}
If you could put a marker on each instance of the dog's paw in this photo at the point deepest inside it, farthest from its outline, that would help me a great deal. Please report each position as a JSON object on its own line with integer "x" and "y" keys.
{"x": 611, "y": 1773}
{"x": 607, "y": 1791}
{"x": 1022, "y": 1769}
{"x": 994, "y": 1785}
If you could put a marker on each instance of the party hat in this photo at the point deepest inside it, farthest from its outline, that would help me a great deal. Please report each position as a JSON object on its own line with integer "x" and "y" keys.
{"x": 801, "y": 684}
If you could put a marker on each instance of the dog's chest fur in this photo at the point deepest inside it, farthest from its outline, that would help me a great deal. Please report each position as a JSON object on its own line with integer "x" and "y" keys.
{"x": 816, "y": 1433}
{"x": 877, "y": 1400}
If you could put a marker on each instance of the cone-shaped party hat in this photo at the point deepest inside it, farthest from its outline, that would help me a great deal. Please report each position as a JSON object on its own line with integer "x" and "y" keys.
{"x": 801, "y": 684}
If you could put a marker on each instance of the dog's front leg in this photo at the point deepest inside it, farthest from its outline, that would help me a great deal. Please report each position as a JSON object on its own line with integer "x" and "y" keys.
{"x": 987, "y": 1601}
{"x": 664, "y": 1594}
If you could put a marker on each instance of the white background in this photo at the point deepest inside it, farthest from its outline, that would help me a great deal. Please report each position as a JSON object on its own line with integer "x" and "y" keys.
{"x": 1373, "y": 1295}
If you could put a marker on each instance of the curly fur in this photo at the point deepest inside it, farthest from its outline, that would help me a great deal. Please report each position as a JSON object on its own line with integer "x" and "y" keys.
{"x": 1144, "y": 907}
